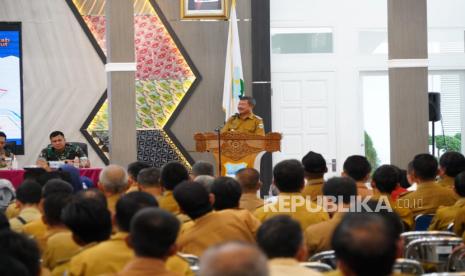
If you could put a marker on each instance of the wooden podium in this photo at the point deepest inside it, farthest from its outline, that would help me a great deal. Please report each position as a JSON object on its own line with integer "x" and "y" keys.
{"x": 238, "y": 150}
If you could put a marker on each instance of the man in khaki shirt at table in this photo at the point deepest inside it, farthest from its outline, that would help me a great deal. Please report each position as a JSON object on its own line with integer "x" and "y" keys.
{"x": 245, "y": 121}
{"x": 358, "y": 167}
{"x": 208, "y": 227}
{"x": 249, "y": 179}
{"x": 288, "y": 177}
{"x": 282, "y": 241}
{"x": 318, "y": 236}
{"x": 429, "y": 195}
{"x": 315, "y": 169}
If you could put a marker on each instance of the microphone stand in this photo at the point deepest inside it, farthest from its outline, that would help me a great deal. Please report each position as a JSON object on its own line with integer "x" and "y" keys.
{"x": 218, "y": 131}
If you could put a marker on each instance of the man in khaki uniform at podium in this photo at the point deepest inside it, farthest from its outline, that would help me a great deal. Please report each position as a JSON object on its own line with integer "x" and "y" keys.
{"x": 245, "y": 121}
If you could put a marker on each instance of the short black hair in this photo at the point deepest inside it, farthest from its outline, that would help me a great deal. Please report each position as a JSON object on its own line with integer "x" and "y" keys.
{"x": 425, "y": 166}
{"x": 344, "y": 187}
{"x": 172, "y": 174}
{"x": 135, "y": 167}
{"x": 153, "y": 232}
{"x": 29, "y": 192}
{"x": 10, "y": 266}
{"x": 94, "y": 194}
{"x": 397, "y": 226}
{"x": 357, "y": 167}
{"x": 227, "y": 193}
{"x": 53, "y": 205}
{"x": 149, "y": 177}
{"x": 314, "y": 163}
{"x": 88, "y": 219}
{"x": 45, "y": 177}
{"x": 248, "y": 178}
{"x": 280, "y": 237}
{"x": 203, "y": 168}
{"x": 4, "y": 222}
{"x": 193, "y": 198}
{"x": 459, "y": 184}
{"x": 289, "y": 176}
{"x": 128, "y": 205}
{"x": 55, "y": 134}
{"x": 21, "y": 248}
{"x": 386, "y": 178}
{"x": 250, "y": 100}
{"x": 56, "y": 186}
{"x": 452, "y": 162}
{"x": 2, "y": 134}
{"x": 363, "y": 242}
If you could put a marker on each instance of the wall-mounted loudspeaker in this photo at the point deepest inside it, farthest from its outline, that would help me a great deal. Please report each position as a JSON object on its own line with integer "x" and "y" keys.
{"x": 434, "y": 100}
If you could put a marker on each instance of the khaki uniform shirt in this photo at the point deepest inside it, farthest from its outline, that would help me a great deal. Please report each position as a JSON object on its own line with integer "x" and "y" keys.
{"x": 12, "y": 210}
{"x": 404, "y": 212}
{"x": 445, "y": 215}
{"x": 284, "y": 206}
{"x": 250, "y": 202}
{"x": 318, "y": 236}
{"x": 146, "y": 266}
{"x": 427, "y": 198}
{"x": 217, "y": 227}
{"x": 363, "y": 190}
{"x": 38, "y": 230}
{"x": 168, "y": 203}
{"x": 111, "y": 202}
{"x": 446, "y": 182}
{"x": 459, "y": 222}
{"x": 59, "y": 248}
{"x": 251, "y": 124}
{"x": 289, "y": 266}
{"x": 313, "y": 189}
{"x": 28, "y": 214}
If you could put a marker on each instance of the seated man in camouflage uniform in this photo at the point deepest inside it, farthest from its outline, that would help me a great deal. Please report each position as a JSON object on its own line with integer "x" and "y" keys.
{"x": 60, "y": 150}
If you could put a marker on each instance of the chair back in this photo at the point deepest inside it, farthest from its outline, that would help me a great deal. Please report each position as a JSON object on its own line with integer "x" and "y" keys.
{"x": 422, "y": 222}
{"x": 317, "y": 266}
{"x": 11, "y": 146}
{"x": 433, "y": 253}
{"x": 457, "y": 260}
{"x": 192, "y": 260}
{"x": 405, "y": 266}
{"x": 326, "y": 257}
{"x": 83, "y": 146}
{"x": 414, "y": 235}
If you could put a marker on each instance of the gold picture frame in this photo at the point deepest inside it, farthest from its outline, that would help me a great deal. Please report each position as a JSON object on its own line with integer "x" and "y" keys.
{"x": 204, "y": 9}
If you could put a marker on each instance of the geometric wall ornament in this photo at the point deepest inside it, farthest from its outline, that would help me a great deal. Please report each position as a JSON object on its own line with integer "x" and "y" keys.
{"x": 165, "y": 78}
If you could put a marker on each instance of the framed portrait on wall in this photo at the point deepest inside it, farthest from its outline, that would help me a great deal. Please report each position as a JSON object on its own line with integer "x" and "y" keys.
{"x": 204, "y": 9}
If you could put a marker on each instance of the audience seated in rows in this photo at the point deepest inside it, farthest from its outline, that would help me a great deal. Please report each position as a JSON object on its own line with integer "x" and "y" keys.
{"x": 249, "y": 179}
{"x": 445, "y": 215}
{"x": 233, "y": 258}
{"x": 289, "y": 179}
{"x": 315, "y": 169}
{"x": 28, "y": 196}
{"x": 113, "y": 181}
{"x": 450, "y": 165}
{"x": 172, "y": 174}
{"x": 133, "y": 172}
{"x": 385, "y": 180}
{"x": 208, "y": 227}
{"x": 339, "y": 193}
{"x": 148, "y": 181}
{"x": 358, "y": 167}
{"x": 202, "y": 168}
{"x": 429, "y": 195}
{"x": 282, "y": 241}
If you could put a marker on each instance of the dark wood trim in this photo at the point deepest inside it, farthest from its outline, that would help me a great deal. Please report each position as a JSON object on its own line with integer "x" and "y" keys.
{"x": 86, "y": 30}
{"x": 261, "y": 77}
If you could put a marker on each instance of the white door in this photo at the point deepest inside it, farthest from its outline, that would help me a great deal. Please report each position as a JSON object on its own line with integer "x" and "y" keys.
{"x": 303, "y": 110}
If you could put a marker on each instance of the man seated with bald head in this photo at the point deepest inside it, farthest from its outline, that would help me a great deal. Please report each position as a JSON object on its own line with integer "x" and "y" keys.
{"x": 233, "y": 258}
{"x": 113, "y": 181}
{"x": 249, "y": 179}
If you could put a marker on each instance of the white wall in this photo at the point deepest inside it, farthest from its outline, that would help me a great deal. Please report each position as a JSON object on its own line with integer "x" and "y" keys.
{"x": 348, "y": 18}
{"x": 62, "y": 74}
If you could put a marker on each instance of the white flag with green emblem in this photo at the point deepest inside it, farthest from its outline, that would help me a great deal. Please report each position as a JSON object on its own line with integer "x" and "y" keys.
{"x": 233, "y": 76}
